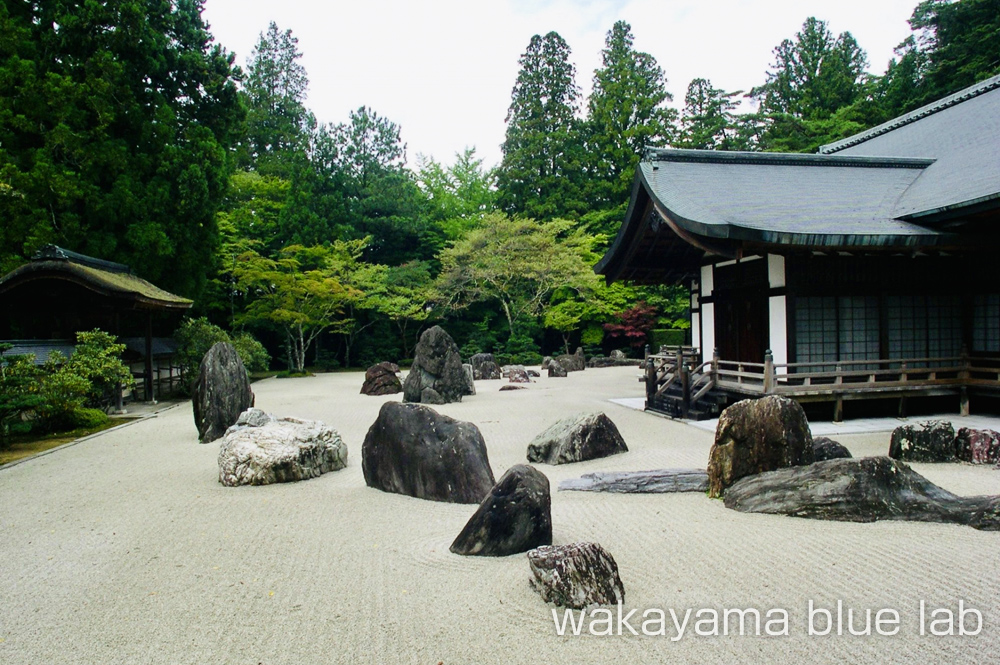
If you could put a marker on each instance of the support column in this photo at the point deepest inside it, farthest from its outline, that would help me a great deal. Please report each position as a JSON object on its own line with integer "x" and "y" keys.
{"x": 777, "y": 315}
{"x": 149, "y": 358}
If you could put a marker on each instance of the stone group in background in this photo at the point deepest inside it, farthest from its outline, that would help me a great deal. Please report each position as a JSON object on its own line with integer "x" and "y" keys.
{"x": 932, "y": 441}
{"x": 556, "y": 370}
{"x": 577, "y": 438}
{"x": 825, "y": 448}
{"x": 261, "y": 449}
{"x": 516, "y": 374}
{"x": 616, "y": 359}
{"x": 470, "y": 381}
{"x": 413, "y": 450}
{"x": 484, "y": 367}
{"x": 977, "y": 446}
{"x": 221, "y": 393}
{"x": 436, "y": 376}
{"x": 860, "y": 490}
{"x": 754, "y": 436}
{"x": 515, "y": 516}
{"x": 575, "y": 362}
{"x": 381, "y": 379}
{"x": 576, "y": 575}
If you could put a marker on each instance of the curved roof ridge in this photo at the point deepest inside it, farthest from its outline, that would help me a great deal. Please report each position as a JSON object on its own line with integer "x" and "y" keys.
{"x": 781, "y": 159}
{"x": 915, "y": 115}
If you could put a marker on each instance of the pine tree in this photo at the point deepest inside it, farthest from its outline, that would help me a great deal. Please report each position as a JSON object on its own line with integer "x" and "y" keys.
{"x": 540, "y": 174}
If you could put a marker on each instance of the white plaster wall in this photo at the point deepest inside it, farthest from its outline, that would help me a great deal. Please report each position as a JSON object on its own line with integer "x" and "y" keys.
{"x": 775, "y": 271}
{"x": 779, "y": 331}
{"x": 707, "y": 281}
{"x": 696, "y": 331}
{"x": 707, "y": 330}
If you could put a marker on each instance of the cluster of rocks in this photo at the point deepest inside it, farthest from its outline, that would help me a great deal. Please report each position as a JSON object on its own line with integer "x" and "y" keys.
{"x": 616, "y": 359}
{"x": 937, "y": 441}
{"x": 484, "y": 367}
{"x": 261, "y": 449}
{"x": 569, "y": 362}
{"x": 221, "y": 393}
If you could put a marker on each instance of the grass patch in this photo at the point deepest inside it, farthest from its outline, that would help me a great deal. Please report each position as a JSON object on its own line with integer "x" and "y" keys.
{"x": 25, "y": 445}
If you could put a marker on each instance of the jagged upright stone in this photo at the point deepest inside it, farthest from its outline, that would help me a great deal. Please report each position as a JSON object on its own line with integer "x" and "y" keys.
{"x": 931, "y": 441}
{"x": 577, "y": 438}
{"x": 515, "y": 516}
{"x": 221, "y": 393}
{"x": 576, "y": 575}
{"x": 484, "y": 367}
{"x": 413, "y": 450}
{"x": 469, "y": 379}
{"x": 759, "y": 435}
{"x": 436, "y": 376}
{"x": 381, "y": 379}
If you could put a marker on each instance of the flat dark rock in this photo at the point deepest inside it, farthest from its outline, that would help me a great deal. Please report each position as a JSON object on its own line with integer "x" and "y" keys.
{"x": 657, "y": 481}
{"x": 825, "y": 448}
{"x": 515, "y": 516}
{"x": 867, "y": 489}
{"x": 413, "y": 450}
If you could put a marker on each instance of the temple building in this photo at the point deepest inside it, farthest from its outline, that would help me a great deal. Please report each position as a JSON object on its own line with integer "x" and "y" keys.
{"x": 860, "y": 272}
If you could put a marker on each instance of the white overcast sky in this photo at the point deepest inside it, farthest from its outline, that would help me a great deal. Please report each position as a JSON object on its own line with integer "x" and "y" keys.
{"x": 444, "y": 70}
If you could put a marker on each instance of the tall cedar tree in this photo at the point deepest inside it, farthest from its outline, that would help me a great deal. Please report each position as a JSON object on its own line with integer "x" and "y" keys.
{"x": 115, "y": 122}
{"x": 626, "y": 113}
{"x": 540, "y": 175}
{"x": 708, "y": 121}
{"x": 278, "y": 122}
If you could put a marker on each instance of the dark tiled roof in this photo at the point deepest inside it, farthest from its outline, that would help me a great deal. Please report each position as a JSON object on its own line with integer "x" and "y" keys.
{"x": 961, "y": 133}
{"x": 814, "y": 200}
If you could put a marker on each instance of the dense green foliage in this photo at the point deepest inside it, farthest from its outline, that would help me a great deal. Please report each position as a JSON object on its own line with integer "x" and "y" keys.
{"x": 61, "y": 393}
{"x": 116, "y": 122}
{"x": 125, "y": 133}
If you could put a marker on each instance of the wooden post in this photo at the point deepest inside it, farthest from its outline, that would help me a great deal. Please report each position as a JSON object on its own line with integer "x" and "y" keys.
{"x": 650, "y": 382}
{"x": 149, "y": 357}
{"x": 715, "y": 367}
{"x": 963, "y": 401}
{"x": 838, "y": 410}
{"x": 768, "y": 372}
{"x": 646, "y": 352}
{"x": 902, "y": 406}
{"x": 686, "y": 390}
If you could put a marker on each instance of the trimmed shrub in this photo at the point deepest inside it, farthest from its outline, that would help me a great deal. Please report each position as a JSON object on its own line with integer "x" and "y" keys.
{"x": 667, "y": 337}
{"x": 253, "y": 354}
{"x": 97, "y": 359}
{"x": 87, "y": 418}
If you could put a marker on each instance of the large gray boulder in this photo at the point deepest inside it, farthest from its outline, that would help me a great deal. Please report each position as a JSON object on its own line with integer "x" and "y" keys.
{"x": 577, "y": 438}
{"x": 931, "y": 441}
{"x": 413, "y": 450}
{"x": 381, "y": 379}
{"x": 556, "y": 370}
{"x": 436, "y": 376}
{"x": 221, "y": 393}
{"x": 261, "y": 449}
{"x": 860, "y": 490}
{"x": 754, "y": 436}
{"x": 515, "y": 516}
{"x": 977, "y": 446}
{"x": 484, "y": 367}
{"x": 576, "y": 576}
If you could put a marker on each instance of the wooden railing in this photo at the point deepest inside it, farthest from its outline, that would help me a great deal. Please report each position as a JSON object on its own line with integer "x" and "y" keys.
{"x": 817, "y": 379}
